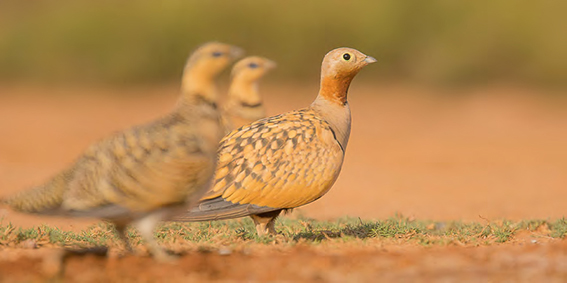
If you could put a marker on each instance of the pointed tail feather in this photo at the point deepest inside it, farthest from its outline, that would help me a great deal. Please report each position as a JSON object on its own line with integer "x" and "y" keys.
{"x": 219, "y": 209}
{"x": 45, "y": 199}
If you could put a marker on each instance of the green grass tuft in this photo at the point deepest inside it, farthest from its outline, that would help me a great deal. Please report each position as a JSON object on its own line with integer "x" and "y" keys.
{"x": 208, "y": 235}
{"x": 559, "y": 228}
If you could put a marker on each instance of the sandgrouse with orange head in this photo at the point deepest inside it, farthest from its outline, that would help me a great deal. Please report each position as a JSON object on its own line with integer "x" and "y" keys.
{"x": 288, "y": 160}
{"x": 149, "y": 172}
{"x": 244, "y": 103}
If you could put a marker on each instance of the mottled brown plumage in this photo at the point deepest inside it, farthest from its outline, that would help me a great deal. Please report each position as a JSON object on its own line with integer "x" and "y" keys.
{"x": 284, "y": 161}
{"x": 244, "y": 102}
{"x": 147, "y": 173}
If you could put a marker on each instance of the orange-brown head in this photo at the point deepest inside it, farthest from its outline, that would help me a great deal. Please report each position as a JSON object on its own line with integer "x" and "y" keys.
{"x": 244, "y": 102}
{"x": 245, "y": 76}
{"x": 251, "y": 68}
{"x": 337, "y": 71}
{"x": 211, "y": 58}
{"x": 204, "y": 65}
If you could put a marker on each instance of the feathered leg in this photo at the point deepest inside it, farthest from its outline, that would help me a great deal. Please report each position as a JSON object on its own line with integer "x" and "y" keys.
{"x": 146, "y": 226}
{"x": 265, "y": 222}
{"x": 123, "y": 235}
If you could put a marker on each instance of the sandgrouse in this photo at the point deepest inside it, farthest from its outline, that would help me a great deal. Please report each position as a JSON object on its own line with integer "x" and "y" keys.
{"x": 288, "y": 160}
{"x": 149, "y": 172}
{"x": 244, "y": 103}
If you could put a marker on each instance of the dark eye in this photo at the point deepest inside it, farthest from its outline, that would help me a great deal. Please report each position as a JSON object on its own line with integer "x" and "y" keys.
{"x": 346, "y": 56}
{"x": 217, "y": 54}
{"x": 253, "y": 65}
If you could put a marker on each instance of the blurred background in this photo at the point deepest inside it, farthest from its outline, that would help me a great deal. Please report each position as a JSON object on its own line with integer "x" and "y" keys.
{"x": 439, "y": 41}
{"x": 464, "y": 115}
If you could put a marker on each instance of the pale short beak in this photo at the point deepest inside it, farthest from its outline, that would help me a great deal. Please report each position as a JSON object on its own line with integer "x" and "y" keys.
{"x": 236, "y": 52}
{"x": 369, "y": 60}
{"x": 270, "y": 64}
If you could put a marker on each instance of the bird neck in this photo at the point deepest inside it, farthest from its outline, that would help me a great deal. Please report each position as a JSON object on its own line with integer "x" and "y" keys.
{"x": 198, "y": 105}
{"x": 336, "y": 114}
{"x": 198, "y": 87}
{"x": 335, "y": 88}
{"x": 244, "y": 92}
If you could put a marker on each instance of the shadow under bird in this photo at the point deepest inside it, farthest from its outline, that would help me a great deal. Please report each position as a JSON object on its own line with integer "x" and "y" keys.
{"x": 288, "y": 160}
{"x": 244, "y": 102}
{"x": 147, "y": 173}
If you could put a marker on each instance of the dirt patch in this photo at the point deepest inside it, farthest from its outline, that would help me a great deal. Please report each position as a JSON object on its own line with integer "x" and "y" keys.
{"x": 369, "y": 263}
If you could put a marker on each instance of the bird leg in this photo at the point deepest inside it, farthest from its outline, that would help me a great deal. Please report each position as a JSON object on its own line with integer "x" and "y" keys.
{"x": 265, "y": 222}
{"x": 146, "y": 226}
{"x": 123, "y": 235}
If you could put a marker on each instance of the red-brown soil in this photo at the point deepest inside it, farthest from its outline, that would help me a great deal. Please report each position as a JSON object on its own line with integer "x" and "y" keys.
{"x": 493, "y": 152}
{"x": 505, "y": 263}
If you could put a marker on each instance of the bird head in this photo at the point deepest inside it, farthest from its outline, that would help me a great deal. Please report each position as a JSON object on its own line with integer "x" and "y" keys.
{"x": 344, "y": 62}
{"x": 252, "y": 68}
{"x": 211, "y": 58}
{"x": 337, "y": 71}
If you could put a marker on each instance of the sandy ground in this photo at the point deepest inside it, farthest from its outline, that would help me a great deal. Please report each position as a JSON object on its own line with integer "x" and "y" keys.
{"x": 509, "y": 263}
{"x": 491, "y": 153}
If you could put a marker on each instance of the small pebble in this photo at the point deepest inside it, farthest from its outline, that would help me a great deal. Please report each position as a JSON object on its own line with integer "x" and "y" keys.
{"x": 225, "y": 251}
{"x": 29, "y": 244}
